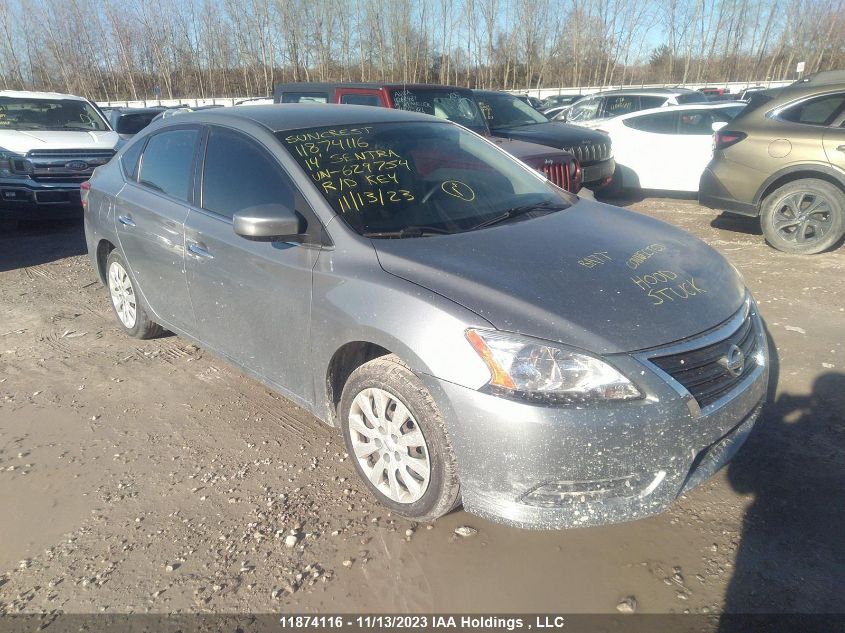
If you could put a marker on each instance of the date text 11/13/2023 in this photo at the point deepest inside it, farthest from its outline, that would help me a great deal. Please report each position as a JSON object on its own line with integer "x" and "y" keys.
{"x": 412, "y": 622}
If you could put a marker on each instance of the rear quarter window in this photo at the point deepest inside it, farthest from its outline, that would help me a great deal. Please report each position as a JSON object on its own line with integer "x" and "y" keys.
{"x": 817, "y": 111}
{"x": 660, "y": 123}
{"x": 129, "y": 159}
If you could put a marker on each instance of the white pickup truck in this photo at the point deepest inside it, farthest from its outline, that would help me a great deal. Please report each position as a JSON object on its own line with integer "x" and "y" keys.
{"x": 49, "y": 144}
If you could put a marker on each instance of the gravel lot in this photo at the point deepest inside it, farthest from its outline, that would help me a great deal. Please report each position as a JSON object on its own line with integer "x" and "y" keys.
{"x": 142, "y": 476}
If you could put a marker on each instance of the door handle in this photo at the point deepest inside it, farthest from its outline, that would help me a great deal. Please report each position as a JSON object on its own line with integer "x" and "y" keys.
{"x": 199, "y": 251}
{"x": 126, "y": 220}
{"x": 841, "y": 148}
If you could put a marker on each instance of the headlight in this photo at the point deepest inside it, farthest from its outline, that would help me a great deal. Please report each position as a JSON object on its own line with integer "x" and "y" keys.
{"x": 531, "y": 370}
{"x": 6, "y": 159}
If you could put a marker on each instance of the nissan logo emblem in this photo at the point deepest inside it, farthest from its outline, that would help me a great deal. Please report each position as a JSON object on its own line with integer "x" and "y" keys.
{"x": 77, "y": 165}
{"x": 733, "y": 361}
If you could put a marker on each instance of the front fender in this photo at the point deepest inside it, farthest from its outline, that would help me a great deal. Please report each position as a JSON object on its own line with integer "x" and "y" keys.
{"x": 426, "y": 330}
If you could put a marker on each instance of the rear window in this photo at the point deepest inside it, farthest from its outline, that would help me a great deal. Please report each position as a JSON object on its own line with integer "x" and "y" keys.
{"x": 818, "y": 111}
{"x": 305, "y": 97}
{"x": 361, "y": 99}
{"x": 692, "y": 97}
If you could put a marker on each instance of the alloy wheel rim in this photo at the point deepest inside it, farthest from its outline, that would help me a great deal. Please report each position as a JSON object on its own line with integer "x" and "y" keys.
{"x": 803, "y": 218}
{"x": 122, "y": 295}
{"x": 389, "y": 445}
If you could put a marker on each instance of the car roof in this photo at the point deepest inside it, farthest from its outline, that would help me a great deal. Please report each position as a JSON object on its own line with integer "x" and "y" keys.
{"x": 281, "y": 117}
{"x": 332, "y": 85}
{"x": 719, "y": 105}
{"x": 25, "y": 94}
{"x": 823, "y": 77}
{"x": 657, "y": 92}
{"x": 797, "y": 91}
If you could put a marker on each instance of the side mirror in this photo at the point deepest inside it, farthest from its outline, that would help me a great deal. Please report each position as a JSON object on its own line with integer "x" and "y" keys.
{"x": 268, "y": 223}
{"x": 718, "y": 125}
{"x": 561, "y": 116}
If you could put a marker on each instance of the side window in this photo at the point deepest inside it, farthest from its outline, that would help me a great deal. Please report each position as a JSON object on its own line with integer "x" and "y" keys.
{"x": 660, "y": 123}
{"x": 651, "y": 102}
{"x": 129, "y": 160}
{"x": 239, "y": 174}
{"x": 361, "y": 99}
{"x": 167, "y": 162}
{"x": 584, "y": 110}
{"x": 614, "y": 106}
{"x": 305, "y": 97}
{"x": 818, "y": 111}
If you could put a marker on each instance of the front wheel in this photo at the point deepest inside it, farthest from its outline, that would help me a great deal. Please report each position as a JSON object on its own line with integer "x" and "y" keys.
{"x": 805, "y": 216}
{"x": 398, "y": 440}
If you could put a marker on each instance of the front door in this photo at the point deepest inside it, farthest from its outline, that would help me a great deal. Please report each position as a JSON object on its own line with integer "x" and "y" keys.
{"x": 252, "y": 299}
{"x": 150, "y": 215}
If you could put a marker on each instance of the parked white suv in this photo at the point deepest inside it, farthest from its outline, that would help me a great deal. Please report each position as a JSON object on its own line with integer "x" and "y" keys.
{"x": 49, "y": 144}
{"x": 591, "y": 111}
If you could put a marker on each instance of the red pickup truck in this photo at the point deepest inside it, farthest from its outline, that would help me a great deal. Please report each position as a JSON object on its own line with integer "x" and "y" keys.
{"x": 447, "y": 102}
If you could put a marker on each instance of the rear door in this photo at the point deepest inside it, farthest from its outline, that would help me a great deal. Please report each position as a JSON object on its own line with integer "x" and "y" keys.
{"x": 651, "y": 150}
{"x": 150, "y": 214}
{"x": 252, "y": 299}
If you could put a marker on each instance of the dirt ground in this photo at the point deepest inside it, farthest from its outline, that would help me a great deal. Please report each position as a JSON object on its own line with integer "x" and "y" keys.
{"x": 150, "y": 476}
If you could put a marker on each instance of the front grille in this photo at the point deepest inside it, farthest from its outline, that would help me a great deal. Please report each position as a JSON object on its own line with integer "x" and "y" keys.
{"x": 589, "y": 153}
{"x": 52, "y": 165}
{"x": 558, "y": 173}
{"x": 70, "y": 154}
{"x": 700, "y": 370}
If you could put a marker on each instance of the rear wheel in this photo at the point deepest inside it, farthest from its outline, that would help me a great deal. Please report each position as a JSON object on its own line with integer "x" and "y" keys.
{"x": 128, "y": 307}
{"x": 398, "y": 441}
{"x": 806, "y": 216}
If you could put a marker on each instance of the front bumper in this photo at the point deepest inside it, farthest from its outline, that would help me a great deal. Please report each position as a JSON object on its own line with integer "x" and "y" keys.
{"x": 25, "y": 198}
{"x": 598, "y": 175}
{"x": 552, "y": 467}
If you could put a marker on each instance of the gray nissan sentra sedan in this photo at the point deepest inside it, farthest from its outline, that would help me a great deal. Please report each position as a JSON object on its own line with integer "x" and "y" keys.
{"x": 479, "y": 335}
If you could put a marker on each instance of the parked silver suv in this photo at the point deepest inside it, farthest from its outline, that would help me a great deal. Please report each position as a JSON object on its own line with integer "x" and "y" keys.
{"x": 478, "y": 334}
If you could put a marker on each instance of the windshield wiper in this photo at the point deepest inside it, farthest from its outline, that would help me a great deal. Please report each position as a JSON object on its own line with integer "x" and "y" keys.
{"x": 515, "y": 212}
{"x": 410, "y": 231}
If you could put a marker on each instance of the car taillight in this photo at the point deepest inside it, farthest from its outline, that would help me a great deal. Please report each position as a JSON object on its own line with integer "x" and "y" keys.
{"x": 723, "y": 139}
{"x": 84, "y": 190}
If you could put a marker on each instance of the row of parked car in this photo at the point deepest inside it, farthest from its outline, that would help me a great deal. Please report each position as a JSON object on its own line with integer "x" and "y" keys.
{"x": 657, "y": 139}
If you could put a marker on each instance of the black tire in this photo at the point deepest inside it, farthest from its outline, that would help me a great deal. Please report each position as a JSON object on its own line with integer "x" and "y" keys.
{"x": 390, "y": 374}
{"x": 779, "y": 210}
{"x": 143, "y": 327}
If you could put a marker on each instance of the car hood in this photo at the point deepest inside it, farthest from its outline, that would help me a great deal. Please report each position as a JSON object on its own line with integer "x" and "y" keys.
{"x": 23, "y": 141}
{"x": 523, "y": 150}
{"x": 555, "y": 134}
{"x": 592, "y": 276}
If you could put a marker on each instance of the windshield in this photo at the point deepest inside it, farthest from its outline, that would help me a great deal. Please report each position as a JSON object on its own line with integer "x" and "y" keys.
{"x": 504, "y": 110}
{"x": 17, "y": 113}
{"x": 411, "y": 179}
{"x": 452, "y": 106}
